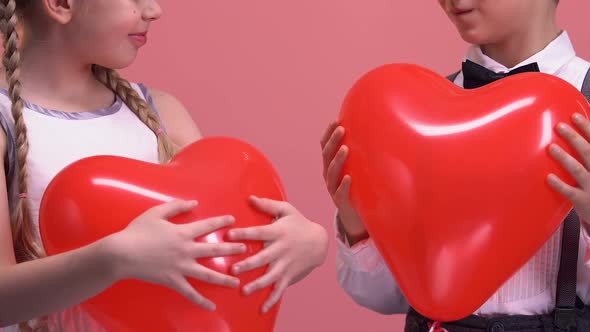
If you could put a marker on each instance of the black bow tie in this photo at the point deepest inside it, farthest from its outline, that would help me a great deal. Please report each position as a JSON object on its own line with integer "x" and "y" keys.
{"x": 475, "y": 76}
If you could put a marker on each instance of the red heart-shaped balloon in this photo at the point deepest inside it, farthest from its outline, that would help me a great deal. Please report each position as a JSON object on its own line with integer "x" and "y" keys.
{"x": 97, "y": 196}
{"x": 451, "y": 183}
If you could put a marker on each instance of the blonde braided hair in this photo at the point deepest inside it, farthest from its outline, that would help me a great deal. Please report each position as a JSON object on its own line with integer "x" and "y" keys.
{"x": 25, "y": 246}
{"x": 110, "y": 78}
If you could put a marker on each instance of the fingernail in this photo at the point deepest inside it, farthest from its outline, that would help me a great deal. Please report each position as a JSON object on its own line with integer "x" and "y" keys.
{"x": 193, "y": 203}
{"x": 211, "y": 307}
{"x": 561, "y": 127}
{"x": 231, "y": 219}
{"x": 243, "y": 247}
{"x": 264, "y": 309}
{"x": 236, "y": 269}
{"x": 577, "y": 117}
{"x": 235, "y": 282}
{"x": 247, "y": 290}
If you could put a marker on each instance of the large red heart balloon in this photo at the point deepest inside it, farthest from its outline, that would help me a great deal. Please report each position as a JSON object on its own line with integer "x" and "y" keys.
{"x": 97, "y": 196}
{"x": 451, "y": 183}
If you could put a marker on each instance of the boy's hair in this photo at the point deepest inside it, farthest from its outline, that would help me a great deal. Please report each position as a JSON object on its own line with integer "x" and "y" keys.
{"x": 25, "y": 246}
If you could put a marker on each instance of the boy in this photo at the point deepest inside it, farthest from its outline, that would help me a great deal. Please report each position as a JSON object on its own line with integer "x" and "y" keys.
{"x": 507, "y": 37}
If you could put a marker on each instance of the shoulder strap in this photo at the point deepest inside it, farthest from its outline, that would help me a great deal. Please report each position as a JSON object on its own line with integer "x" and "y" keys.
{"x": 10, "y": 164}
{"x": 145, "y": 93}
{"x": 586, "y": 86}
{"x": 565, "y": 302}
{"x": 565, "y": 316}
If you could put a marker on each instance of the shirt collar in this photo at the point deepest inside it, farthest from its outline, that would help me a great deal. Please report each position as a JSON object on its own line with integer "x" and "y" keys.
{"x": 550, "y": 59}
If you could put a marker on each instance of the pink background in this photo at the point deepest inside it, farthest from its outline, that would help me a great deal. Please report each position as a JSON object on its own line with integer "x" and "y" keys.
{"x": 274, "y": 73}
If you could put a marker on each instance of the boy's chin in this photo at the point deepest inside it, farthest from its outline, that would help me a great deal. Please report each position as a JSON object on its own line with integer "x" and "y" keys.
{"x": 475, "y": 37}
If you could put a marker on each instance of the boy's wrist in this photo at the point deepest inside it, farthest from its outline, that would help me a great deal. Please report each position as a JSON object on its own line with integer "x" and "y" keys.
{"x": 352, "y": 235}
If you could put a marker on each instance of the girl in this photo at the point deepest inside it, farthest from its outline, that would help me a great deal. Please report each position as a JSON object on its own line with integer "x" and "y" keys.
{"x": 63, "y": 101}
{"x": 505, "y": 35}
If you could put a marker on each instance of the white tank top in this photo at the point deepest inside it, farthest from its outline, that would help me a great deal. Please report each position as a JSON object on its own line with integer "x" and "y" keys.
{"x": 57, "y": 139}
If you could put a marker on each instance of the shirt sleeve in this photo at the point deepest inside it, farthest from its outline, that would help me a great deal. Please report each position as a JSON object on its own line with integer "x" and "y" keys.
{"x": 365, "y": 277}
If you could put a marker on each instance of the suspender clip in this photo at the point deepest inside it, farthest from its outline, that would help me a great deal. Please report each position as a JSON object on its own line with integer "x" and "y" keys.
{"x": 565, "y": 318}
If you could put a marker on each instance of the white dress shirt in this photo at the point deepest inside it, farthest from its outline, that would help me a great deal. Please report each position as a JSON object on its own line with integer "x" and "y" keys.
{"x": 364, "y": 275}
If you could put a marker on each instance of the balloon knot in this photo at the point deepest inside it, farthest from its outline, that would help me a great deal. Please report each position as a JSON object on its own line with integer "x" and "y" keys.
{"x": 435, "y": 327}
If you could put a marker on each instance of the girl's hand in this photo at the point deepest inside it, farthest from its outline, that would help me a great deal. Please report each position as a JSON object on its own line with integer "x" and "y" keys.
{"x": 155, "y": 250}
{"x": 294, "y": 246}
